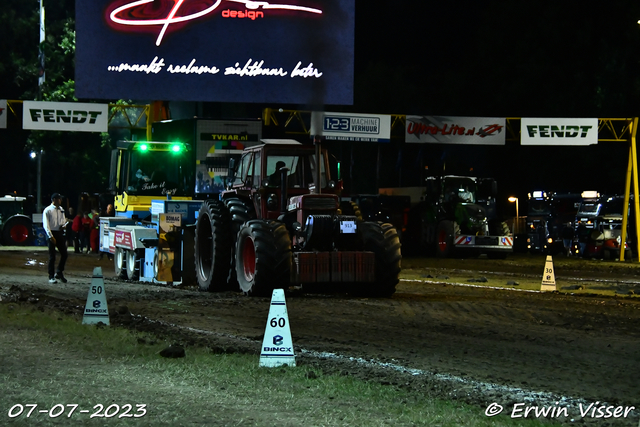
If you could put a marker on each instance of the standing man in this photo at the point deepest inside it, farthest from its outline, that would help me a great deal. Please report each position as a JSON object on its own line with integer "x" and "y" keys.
{"x": 54, "y": 222}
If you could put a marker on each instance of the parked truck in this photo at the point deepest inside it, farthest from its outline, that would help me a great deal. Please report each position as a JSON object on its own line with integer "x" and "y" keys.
{"x": 459, "y": 217}
{"x": 279, "y": 224}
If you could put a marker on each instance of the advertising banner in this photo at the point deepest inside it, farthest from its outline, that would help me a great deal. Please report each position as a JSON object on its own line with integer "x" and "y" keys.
{"x": 455, "y": 130}
{"x": 277, "y": 51}
{"x": 546, "y": 131}
{"x": 65, "y": 116}
{"x": 351, "y": 126}
{"x": 3, "y": 113}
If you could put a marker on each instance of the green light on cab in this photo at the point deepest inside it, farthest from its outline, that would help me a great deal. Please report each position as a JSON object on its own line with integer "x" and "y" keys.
{"x": 143, "y": 147}
{"x": 176, "y": 148}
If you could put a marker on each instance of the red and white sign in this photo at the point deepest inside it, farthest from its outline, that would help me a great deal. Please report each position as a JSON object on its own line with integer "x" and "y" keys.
{"x": 456, "y": 130}
{"x": 122, "y": 239}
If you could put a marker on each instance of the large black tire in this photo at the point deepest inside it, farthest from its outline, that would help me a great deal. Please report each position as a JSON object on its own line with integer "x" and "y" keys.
{"x": 351, "y": 208}
{"x": 120, "y": 263}
{"x": 444, "y": 239}
{"x": 263, "y": 261}
{"x": 17, "y": 231}
{"x": 240, "y": 212}
{"x": 381, "y": 239}
{"x": 212, "y": 246}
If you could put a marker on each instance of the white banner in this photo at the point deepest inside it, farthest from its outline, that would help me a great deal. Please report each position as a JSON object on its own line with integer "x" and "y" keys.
{"x": 3, "y": 113}
{"x": 351, "y": 126}
{"x": 546, "y": 131}
{"x": 455, "y": 130}
{"x": 65, "y": 116}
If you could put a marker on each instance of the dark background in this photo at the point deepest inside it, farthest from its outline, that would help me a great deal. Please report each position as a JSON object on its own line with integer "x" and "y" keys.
{"x": 459, "y": 58}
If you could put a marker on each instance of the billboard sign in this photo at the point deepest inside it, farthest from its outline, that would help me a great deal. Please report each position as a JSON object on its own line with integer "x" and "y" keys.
{"x": 456, "y": 130}
{"x": 546, "y": 131}
{"x": 288, "y": 51}
{"x": 65, "y": 116}
{"x": 351, "y": 126}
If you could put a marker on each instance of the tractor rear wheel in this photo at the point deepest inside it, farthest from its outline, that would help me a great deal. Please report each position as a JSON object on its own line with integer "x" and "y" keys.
{"x": 444, "y": 239}
{"x": 381, "y": 239}
{"x": 212, "y": 246}
{"x": 17, "y": 231}
{"x": 263, "y": 257}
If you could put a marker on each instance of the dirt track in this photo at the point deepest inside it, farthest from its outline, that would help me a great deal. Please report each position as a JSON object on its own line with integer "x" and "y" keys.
{"x": 471, "y": 343}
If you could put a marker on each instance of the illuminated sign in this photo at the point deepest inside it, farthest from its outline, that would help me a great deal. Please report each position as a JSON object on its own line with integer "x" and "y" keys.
{"x": 546, "y": 131}
{"x": 288, "y": 51}
{"x": 65, "y": 116}
{"x": 456, "y": 130}
{"x": 351, "y": 127}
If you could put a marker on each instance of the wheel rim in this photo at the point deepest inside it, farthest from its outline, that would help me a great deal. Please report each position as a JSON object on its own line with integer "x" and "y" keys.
{"x": 205, "y": 251}
{"x": 131, "y": 263}
{"x": 19, "y": 233}
{"x": 119, "y": 258}
{"x": 442, "y": 240}
{"x": 249, "y": 259}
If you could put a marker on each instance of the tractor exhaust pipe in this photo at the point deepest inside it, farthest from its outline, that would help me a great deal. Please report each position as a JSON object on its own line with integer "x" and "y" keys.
{"x": 284, "y": 184}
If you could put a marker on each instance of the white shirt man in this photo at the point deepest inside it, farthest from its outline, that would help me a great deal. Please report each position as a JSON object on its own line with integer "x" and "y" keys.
{"x": 53, "y": 222}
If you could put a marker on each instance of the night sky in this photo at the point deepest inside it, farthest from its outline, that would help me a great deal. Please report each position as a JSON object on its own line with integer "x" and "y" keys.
{"x": 476, "y": 58}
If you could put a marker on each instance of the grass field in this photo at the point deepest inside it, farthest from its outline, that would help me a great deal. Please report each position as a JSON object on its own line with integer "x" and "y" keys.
{"x": 118, "y": 378}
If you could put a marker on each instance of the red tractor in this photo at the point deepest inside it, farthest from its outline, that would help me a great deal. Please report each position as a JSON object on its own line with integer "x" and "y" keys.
{"x": 279, "y": 224}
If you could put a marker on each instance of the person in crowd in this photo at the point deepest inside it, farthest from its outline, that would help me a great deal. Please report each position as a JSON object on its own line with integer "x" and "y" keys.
{"x": 76, "y": 228}
{"x": 86, "y": 232}
{"x": 68, "y": 232}
{"x": 54, "y": 222}
{"x": 583, "y": 237}
{"x": 94, "y": 236}
{"x": 567, "y": 238}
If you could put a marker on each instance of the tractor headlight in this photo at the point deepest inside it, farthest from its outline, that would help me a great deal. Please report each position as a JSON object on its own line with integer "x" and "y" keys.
{"x": 331, "y": 184}
{"x": 272, "y": 202}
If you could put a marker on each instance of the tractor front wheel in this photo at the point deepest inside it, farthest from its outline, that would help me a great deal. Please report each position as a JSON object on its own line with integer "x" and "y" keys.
{"x": 263, "y": 257}
{"x": 381, "y": 239}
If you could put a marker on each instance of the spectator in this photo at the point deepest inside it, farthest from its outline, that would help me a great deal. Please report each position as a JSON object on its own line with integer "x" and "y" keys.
{"x": 567, "y": 238}
{"x": 76, "y": 228}
{"x": 86, "y": 232}
{"x": 583, "y": 237}
{"x": 68, "y": 231}
{"x": 94, "y": 236}
{"x": 54, "y": 222}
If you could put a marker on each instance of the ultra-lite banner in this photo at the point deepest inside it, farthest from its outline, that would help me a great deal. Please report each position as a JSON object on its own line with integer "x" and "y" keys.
{"x": 65, "y": 116}
{"x": 351, "y": 126}
{"x": 455, "y": 130}
{"x": 546, "y": 131}
{"x": 3, "y": 113}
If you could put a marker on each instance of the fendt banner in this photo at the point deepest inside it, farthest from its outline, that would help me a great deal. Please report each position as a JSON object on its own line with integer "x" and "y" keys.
{"x": 351, "y": 126}
{"x": 546, "y": 131}
{"x": 288, "y": 51}
{"x": 455, "y": 130}
{"x": 65, "y": 116}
